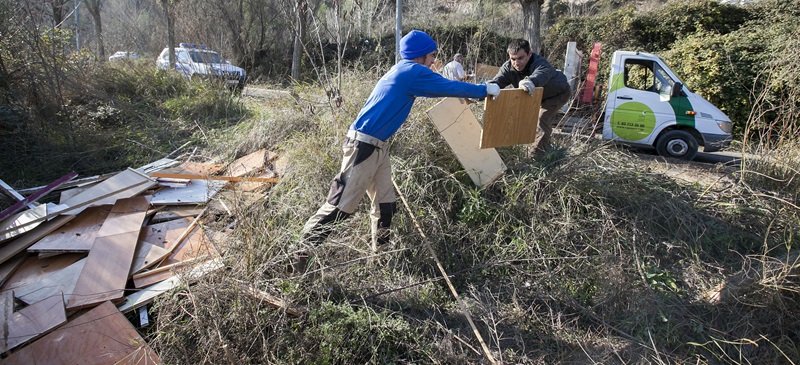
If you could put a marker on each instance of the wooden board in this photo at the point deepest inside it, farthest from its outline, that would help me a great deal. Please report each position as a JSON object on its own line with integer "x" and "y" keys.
{"x": 32, "y": 322}
{"x": 146, "y": 254}
{"x": 75, "y": 236}
{"x": 34, "y": 269}
{"x": 461, "y": 131}
{"x": 106, "y": 270}
{"x": 215, "y": 178}
{"x": 24, "y": 221}
{"x": 36, "y": 195}
{"x": 176, "y": 212}
{"x": 247, "y": 165}
{"x": 11, "y": 265}
{"x": 194, "y": 168}
{"x": 164, "y": 234}
{"x": 56, "y": 283}
{"x": 126, "y": 184}
{"x": 100, "y": 336}
{"x": 485, "y": 72}
{"x": 511, "y": 118}
{"x": 198, "y": 192}
{"x": 147, "y": 295}
{"x": 11, "y": 249}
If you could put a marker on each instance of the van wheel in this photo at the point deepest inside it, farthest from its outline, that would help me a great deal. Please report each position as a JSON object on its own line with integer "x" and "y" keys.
{"x": 677, "y": 144}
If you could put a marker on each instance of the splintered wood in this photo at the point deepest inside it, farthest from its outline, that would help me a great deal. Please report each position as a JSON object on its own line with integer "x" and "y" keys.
{"x": 511, "y": 118}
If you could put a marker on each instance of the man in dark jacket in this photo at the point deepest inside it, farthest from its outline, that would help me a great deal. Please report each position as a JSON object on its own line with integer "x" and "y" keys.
{"x": 527, "y": 70}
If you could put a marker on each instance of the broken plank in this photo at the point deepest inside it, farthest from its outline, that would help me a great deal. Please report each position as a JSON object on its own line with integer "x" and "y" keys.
{"x": 511, "y": 118}
{"x": 146, "y": 295}
{"x": 175, "y": 212}
{"x": 32, "y": 322}
{"x": 100, "y": 336}
{"x": 249, "y": 164}
{"x": 38, "y": 194}
{"x": 106, "y": 270}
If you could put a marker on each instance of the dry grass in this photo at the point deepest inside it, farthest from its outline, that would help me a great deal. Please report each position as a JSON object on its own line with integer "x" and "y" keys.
{"x": 583, "y": 257}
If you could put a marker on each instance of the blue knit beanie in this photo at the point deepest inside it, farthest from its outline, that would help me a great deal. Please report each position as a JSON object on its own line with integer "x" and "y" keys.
{"x": 416, "y": 44}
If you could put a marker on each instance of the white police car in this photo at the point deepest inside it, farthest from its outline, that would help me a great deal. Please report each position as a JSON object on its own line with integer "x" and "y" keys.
{"x": 197, "y": 61}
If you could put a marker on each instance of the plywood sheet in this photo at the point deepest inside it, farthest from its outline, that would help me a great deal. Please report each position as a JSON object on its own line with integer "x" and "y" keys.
{"x": 10, "y": 249}
{"x": 146, "y": 254}
{"x": 147, "y": 294}
{"x": 461, "y": 131}
{"x": 511, "y": 118}
{"x": 9, "y": 267}
{"x": 33, "y": 269}
{"x": 100, "y": 336}
{"x": 75, "y": 236}
{"x": 126, "y": 184}
{"x": 176, "y": 212}
{"x": 24, "y": 221}
{"x": 106, "y": 270}
{"x": 485, "y": 72}
{"x": 198, "y": 192}
{"x": 194, "y": 168}
{"x": 51, "y": 284}
{"x": 32, "y": 322}
{"x": 164, "y": 234}
{"x": 249, "y": 164}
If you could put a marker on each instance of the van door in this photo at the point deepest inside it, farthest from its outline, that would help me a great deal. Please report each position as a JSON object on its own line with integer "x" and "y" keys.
{"x": 639, "y": 104}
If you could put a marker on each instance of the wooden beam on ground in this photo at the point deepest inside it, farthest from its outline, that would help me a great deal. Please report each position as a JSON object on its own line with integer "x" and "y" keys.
{"x": 38, "y": 194}
{"x": 460, "y": 129}
{"x": 100, "y": 336}
{"x": 106, "y": 270}
{"x": 511, "y": 118}
{"x": 162, "y": 273}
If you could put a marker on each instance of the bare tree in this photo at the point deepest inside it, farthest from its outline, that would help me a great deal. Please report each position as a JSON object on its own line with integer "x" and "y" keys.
{"x": 168, "y": 13}
{"x": 531, "y": 21}
{"x": 94, "y": 10}
{"x": 297, "y": 53}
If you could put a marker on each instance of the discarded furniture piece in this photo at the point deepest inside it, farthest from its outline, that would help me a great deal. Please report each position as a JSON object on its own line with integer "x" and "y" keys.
{"x": 511, "y": 118}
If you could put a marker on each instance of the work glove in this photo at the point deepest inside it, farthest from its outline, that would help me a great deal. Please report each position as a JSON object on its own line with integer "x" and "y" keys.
{"x": 492, "y": 89}
{"x": 527, "y": 85}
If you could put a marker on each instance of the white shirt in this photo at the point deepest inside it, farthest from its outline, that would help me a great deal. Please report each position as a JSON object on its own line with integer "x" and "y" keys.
{"x": 453, "y": 71}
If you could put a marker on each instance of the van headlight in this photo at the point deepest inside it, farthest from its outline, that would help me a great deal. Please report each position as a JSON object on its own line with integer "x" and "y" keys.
{"x": 725, "y": 125}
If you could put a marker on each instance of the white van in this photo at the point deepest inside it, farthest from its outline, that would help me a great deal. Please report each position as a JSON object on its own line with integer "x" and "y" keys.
{"x": 196, "y": 61}
{"x": 648, "y": 105}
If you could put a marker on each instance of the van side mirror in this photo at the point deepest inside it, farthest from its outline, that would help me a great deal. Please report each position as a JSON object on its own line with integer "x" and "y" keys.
{"x": 677, "y": 89}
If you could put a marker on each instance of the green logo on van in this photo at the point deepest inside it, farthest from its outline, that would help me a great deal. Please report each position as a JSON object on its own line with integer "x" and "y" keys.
{"x": 633, "y": 121}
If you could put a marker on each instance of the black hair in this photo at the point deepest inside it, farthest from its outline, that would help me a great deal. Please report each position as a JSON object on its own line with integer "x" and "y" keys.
{"x": 519, "y": 44}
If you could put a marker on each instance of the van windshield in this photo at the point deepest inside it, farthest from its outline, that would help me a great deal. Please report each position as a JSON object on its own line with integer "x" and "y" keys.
{"x": 205, "y": 56}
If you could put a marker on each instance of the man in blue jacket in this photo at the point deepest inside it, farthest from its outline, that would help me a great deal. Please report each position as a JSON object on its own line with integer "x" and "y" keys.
{"x": 365, "y": 166}
{"x": 527, "y": 70}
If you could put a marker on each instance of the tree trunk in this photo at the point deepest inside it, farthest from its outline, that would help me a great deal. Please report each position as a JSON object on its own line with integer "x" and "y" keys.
{"x": 297, "y": 53}
{"x": 94, "y": 10}
{"x": 167, "y": 4}
{"x": 58, "y": 12}
{"x": 531, "y": 22}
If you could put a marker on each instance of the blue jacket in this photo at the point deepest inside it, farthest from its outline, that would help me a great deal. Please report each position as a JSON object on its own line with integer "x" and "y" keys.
{"x": 392, "y": 98}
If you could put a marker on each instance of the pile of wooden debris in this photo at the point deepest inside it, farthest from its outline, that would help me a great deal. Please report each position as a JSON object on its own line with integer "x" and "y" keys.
{"x": 69, "y": 271}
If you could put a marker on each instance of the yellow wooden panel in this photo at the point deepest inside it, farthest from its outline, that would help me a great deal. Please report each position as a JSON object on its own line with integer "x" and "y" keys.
{"x": 511, "y": 118}
{"x": 461, "y": 131}
{"x": 485, "y": 72}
